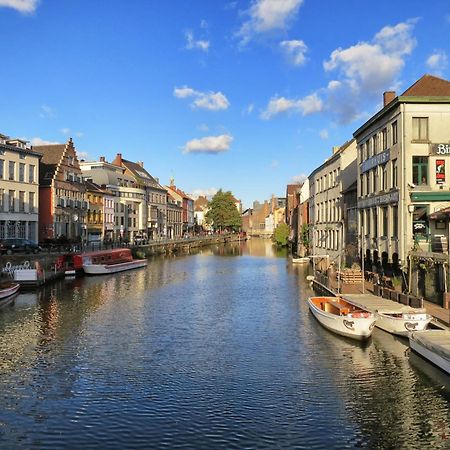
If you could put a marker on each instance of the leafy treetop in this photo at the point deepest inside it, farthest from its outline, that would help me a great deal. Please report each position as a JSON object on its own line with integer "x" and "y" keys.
{"x": 222, "y": 213}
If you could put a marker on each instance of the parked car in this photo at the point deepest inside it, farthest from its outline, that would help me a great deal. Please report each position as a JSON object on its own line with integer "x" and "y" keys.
{"x": 11, "y": 245}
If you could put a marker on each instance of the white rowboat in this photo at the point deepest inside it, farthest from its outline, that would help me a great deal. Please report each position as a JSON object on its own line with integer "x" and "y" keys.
{"x": 403, "y": 323}
{"x": 343, "y": 318}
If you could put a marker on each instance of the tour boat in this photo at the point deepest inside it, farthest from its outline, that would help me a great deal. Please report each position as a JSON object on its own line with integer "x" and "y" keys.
{"x": 6, "y": 291}
{"x": 341, "y": 317}
{"x": 433, "y": 345}
{"x": 104, "y": 262}
{"x": 403, "y": 323}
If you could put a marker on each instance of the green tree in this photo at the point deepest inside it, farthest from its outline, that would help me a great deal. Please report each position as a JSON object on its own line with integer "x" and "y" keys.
{"x": 281, "y": 234}
{"x": 222, "y": 213}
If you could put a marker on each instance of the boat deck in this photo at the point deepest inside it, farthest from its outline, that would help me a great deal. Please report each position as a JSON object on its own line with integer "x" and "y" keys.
{"x": 437, "y": 341}
{"x": 374, "y": 304}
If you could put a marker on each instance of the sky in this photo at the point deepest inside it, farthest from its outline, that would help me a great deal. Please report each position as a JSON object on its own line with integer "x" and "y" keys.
{"x": 246, "y": 96}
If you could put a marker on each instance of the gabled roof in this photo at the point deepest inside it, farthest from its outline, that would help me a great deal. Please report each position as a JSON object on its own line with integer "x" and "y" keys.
{"x": 428, "y": 86}
{"x": 141, "y": 174}
{"x": 178, "y": 191}
{"x": 51, "y": 154}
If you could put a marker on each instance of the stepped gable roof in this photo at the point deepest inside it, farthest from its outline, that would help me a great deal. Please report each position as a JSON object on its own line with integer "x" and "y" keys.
{"x": 141, "y": 174}
{"x": 51, "y": 156}
{"x": 428, "y": 86}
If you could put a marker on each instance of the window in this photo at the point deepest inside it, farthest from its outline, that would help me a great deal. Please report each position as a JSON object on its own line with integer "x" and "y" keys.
{"x": 22, "y": 172}
{"x": 21, "y": 201}
{"x": 384, "y": 221}
{"x": 31, "y": 202}
{"x": 394, "y": 173}
{"x": 375, "y": 144}
{"x": 384, "y": 182}
{"x": 368, "y": 190}
{"x": 361, "y": 184}
{"x": 420, "y": 128}
{"x": 384, "y": 138}
{"x": 12, "y": 169}
{"x": 31, "y": 173}
{"x": 420, "y": 221}
{"x": 11, "y": 201}
{"x": 420, "y": 170}
{"x": 2, "y": 168}
{"x": 395, "y": 221}
{"x": 2, "y": 200}
{"x": 375, "y": 222}
{"x": 368, "y": 155}
{"x": 394, "y": 133}
{"x": 367, "y": 222}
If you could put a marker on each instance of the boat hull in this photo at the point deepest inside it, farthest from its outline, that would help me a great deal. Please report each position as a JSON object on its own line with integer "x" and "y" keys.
{"x": 105, "y": 269}
{"x": 403, "y": 324}
{"x": 359, "y": 328}
{"x": 7, "y": 292}
{"x": 437, "y": 352}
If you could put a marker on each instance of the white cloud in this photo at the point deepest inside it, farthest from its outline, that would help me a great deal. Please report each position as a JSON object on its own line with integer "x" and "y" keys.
{"x": 40, "y": 141}
{"x": 267, "y": 16}
{"x": 209, "y": 144}
{"x": 299, "y": 178}
{"x": 203, "y": 127}
{"x": 191, "y": 43}
{"x": 367, "y": 69}
{"x": 79, "y": 134}
{"x": 324, "y": 134}
{"x": 295, "y": 51}
{"x": 438, "y": 62}
{"x": 23, "y": 6}
{"x": 46, "y": 112}
{"x": 248, "y": 109}
{"x": 65, "y": 130}
{"x": 213, "y": 101}
{"x": 209, "y": 193}
{"x": 307, "y": 105}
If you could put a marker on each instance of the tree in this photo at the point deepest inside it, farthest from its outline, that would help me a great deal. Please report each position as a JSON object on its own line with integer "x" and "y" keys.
{"x": 222, "y": 213}
{"x": 281, "y": 234}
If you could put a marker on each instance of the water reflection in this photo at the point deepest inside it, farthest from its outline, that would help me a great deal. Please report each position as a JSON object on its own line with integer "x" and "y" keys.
{"x": 212, "y": 350}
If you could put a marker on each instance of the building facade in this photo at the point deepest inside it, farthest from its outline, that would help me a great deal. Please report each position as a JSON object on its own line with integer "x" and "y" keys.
{"x": 19, "y": 190}
{"x": 62, "y": 193}
{"x": 326, "y": 184}
{"x": 403, "y": 172}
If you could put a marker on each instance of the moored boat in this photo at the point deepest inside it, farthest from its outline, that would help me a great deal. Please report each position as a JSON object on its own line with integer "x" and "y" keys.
{"x": 403, "y": 323}
{"x": 433, "y": 345}
{"x": 303, "y": 260}
{"x": 7, "y": 290}
{"x": 107, "y": 261}
{"x": 342, "y": 317}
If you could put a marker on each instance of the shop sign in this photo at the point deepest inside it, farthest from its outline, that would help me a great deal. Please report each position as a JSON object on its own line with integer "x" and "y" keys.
{"x": 381, "y": 158}
{"x": 440, "y": 171}
{"x": 440, "y": 149}
{"x": 378, "y": 200}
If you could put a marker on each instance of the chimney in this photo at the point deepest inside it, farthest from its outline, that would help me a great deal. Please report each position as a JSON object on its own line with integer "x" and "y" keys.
{"x": 141, "y": 163}
{"x": 388, "y": 96}
{"x": 102, "y": 159}
{"x": 118, "y": 160}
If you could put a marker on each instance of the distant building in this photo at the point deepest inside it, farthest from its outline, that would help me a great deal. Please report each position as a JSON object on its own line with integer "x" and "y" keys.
{"x": 200, "y": 209}
{"x": 187, "y": 205}
{"x": 19, "y": 189}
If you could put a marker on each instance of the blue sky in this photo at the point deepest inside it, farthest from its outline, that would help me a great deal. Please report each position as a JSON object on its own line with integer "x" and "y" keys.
{"x": 247, "y": 96}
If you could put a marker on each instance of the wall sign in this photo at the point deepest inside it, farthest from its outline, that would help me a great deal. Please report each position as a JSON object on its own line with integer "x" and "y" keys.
{"x": 381, "y": 158}
{"x": 378, "y": 200}
{"x": 440, "y": 149}
{"x": 440, "y": 171}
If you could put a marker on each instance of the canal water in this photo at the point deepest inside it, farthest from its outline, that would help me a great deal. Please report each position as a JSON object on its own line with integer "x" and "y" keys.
{"x": 212, "y": 350}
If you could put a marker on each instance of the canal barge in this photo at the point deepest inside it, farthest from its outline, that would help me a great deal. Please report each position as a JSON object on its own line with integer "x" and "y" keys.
{"x": 433, "y": 345}
{"x": 105, "y": 262}
{"x": 342, "y": 317}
